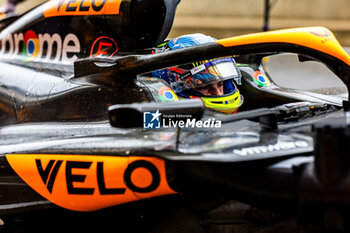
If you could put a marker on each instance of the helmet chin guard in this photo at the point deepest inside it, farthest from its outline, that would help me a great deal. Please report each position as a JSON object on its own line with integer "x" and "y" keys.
{"x": 227, "y": 103}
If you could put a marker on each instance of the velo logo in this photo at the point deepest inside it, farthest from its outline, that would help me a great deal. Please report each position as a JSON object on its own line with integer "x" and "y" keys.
{"x": 91, "y": 182}
{"x": 81, "y": 7}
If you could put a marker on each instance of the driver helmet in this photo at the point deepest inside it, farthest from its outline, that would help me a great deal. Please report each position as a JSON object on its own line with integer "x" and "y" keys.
{"x": 189, "y": 80}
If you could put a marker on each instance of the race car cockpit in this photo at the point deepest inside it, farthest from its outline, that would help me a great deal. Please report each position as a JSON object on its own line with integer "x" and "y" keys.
{"x": 82, "y": 98}
{"x": 258, "y": 77}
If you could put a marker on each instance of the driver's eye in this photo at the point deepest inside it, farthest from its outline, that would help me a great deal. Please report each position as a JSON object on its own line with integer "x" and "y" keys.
{"x": 202, "y": 88}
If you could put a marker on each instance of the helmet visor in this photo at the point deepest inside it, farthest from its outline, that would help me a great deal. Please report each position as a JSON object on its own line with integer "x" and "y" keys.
{"x": 213, "y": 71}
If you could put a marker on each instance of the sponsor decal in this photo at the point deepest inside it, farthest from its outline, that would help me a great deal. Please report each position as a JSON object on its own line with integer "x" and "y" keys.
{"x": 103, "y": 46}
{"x": 271, "y": 148}
{"x": 81, "y": 7}
{"x": 157, "y": 120}
{"x": 166, "y": 94}
{"x": 31, "y": 44}
{"x": 35, "y": 47}
{"x": 324, "y": 34}
{"x": 260, "y": 79}
{"x": 87, "y": 183}
{"x": 321, "y": 33}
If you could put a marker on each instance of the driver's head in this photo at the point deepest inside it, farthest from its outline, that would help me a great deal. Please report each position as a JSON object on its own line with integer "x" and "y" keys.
{"x": 213, "y": 81}
{"x": 211, "y": 89}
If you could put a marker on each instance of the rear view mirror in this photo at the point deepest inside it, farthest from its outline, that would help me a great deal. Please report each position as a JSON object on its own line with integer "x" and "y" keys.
{"x": 299, "y": 72}
{"x": 131, "y": 115}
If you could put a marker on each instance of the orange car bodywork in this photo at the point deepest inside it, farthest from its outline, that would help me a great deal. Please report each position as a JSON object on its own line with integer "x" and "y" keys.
{"x": 82, "y": 7}
{"x": 317, "y": 38}
{"x": 87, "y": 183}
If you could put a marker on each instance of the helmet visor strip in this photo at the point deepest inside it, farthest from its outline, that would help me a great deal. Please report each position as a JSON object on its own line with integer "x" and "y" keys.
{"x": 207, "y": 73}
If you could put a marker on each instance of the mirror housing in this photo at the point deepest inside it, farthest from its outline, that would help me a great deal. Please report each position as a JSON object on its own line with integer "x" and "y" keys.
{"x": 131, "y": 115}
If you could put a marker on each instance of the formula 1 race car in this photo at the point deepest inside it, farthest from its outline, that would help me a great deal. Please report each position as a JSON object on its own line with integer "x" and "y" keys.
{"x": 76, "y": 86}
